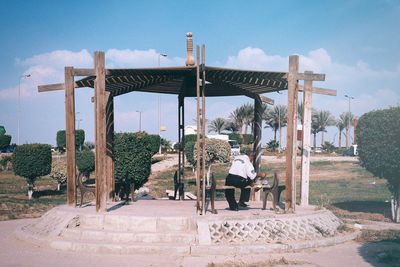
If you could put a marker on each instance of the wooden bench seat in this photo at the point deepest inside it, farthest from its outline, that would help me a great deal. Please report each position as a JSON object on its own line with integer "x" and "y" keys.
{"x": 275, "y": 189}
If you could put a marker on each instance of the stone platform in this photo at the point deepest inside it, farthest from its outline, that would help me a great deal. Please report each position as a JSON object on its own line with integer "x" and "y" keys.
{"x": 164, "y": 227}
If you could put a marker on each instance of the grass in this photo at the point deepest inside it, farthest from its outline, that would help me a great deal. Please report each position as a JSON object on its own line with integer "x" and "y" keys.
{"x": 14, "y": 200}
{"x": 269, "y": 263}
{"x": 343, "y": 187}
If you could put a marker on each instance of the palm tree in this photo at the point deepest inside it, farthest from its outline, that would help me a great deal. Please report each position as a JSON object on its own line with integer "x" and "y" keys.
{"x": 347, "y": 118}
{"x": 323, "y": 119}
{"x": 276, "y": 117}
{"x": 248, "y": 116}
{"x": 217, "y": 125}
{"x": 340, "y": 125}
{"x": 236, "y": 118}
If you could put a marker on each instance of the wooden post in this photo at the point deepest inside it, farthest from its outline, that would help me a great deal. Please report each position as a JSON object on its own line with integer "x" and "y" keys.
{"x": 203, "y": 126}
{"x": 110, "y": 147}
{"x": 257, "y": 140}
{"x": 70, "y": 135}
{"x": 305, "y": 156}
{"x": 198, "y": 128}
{"x": 100, "y": 101}
{"x": 290, "y": 192}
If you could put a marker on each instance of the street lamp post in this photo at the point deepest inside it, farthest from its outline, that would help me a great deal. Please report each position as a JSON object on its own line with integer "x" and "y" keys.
{"x": 348, "y": 123}
{"x": 19, "y": 103}
{"x": 140, "y": 120}
{"x": 159, "y": 103}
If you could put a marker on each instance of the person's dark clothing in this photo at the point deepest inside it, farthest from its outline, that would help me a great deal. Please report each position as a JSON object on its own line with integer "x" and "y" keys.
{"x": 238, "y": 182}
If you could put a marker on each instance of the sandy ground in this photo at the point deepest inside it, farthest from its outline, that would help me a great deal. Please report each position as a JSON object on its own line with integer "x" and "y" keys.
{"x": 14, "y": 252}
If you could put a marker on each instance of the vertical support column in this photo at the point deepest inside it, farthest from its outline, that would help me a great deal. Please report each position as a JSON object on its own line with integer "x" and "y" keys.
{"x": 70, "y": 135}
{"x": 203, "y": 125}
{"x": 110, "y": 147}
{"x": 181, "y": 140}
{"x": 290, "y": 192}
{"x": 198, "y": 128}
{"x": 257, "y": 139}
{"x": 101, "y": 143}
{"x": 306, "y": 142}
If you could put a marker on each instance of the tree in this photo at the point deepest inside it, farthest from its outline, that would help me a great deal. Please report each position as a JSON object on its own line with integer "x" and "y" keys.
{"x": 32, "y": 161}
{"x": 276, "y": 117}
{"x": 5, "y": 139}
{"x": 378, "y": 137}
{"x": 217, "y": 125}
{"x": 323, "y": 119}
{"x": 237, "y": 120}
{"x": 59, "y": 171}
{"x": 85, "y": 161}
{"x": 217, "y": 151}
{"x": 347, "y": 118}
{"x": 340, "y": 126}
{"x": 248, "y": 116}
{"x": 62, "y": 142}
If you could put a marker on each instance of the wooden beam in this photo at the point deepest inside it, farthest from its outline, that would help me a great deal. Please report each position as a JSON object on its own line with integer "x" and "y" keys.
{"x": 51, "y": 87}
{"x": 306, "y": 143}
{"x": 100, "y": 115}
{"x": 203, "y": 127}
{"x": 290, "y": 192}
{"x": 257, "y": 140}
{"x": 314, "y": 76}
{"x": 320, "y": 91}
{"x": 267, "y": 100}
{"x": 110, "y": 147}
{"x": 87, "y": 72}
{"x": 70, "y": 135}
{"x": 198, "y": 209}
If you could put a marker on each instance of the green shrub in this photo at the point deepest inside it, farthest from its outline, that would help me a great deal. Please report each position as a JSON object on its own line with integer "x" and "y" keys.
{"x": 61, "y": 139}
{"x": 248, "y": 139}
{"x": 272, "y": 145}
{"x": 378, "y": 138}
{"x": 85, "y": 161}
{"x": 5, "y": 163}
{"x": 59, "y": 171}
{"x": 190, "y": 138}
{"x": 328, "y": 147}
{"x": 133, "y": 152}
{"x": 154, "y": 142}
{"x": 237, "y": 137}
{"x": 189, "y": 153}
{"x": 217, "y": 151}
{"x": 5, "y": 140}
{"x": 32, "y": 161}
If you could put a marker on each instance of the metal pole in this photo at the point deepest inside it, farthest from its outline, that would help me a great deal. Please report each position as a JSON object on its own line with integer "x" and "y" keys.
{"x": 19, "y": 104}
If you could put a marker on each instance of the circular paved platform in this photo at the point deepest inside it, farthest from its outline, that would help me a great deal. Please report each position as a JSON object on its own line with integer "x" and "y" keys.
{"x": 163, "y": 226}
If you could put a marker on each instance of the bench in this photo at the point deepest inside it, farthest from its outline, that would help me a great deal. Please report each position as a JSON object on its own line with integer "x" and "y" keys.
{"x": 84, "y": 188}
{"x": 275, "y": 190}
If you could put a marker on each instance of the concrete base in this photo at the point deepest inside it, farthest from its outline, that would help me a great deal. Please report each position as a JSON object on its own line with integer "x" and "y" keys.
{"x": 165, "y": 227}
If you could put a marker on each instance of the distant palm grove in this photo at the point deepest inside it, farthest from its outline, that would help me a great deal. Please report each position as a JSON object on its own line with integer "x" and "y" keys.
{"x": 241, "y": 120}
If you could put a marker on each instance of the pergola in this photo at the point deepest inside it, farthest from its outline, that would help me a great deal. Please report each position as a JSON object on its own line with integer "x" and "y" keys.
{"x": 196, "y": 79}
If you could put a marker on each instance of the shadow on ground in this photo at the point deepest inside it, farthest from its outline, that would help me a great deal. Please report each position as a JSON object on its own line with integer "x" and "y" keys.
{"x": 381, "y": 248}
{"x": 367, "y": 206}
{"x": 47, "y": 192}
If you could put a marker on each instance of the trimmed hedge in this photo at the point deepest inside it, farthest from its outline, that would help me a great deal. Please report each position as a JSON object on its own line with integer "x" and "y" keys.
{"x": 189, "y": 153}
{"x": 237, "y": 137}
{"x": 378, "y": 138}
{"x": 59, "y": 170}
{"x": 79, "y": 139}
{"x": 217, "y": 151}
{"x": 155, "y": 143}
{"x": 85, "y": 161}
{"x": 133, "y": 152}
{"x": 32, "y": 161}
{"x": 5, "y": 140}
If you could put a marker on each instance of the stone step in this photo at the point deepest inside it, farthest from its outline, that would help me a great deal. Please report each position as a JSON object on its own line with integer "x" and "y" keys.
{"x": 139, "y": 248}
{"x": 128, "y": 237}
{"x": 136, "y": 223}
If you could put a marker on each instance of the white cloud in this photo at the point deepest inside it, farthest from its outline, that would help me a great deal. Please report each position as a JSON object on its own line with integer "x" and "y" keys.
{"x": 371, "y": 88}
{"x": 49, "y": 67}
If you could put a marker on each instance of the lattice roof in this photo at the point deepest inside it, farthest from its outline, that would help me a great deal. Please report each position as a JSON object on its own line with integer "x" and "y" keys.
{"x": 182, "y": 80}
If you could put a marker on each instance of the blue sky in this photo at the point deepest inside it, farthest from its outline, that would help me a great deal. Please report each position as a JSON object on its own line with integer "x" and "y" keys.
{"x": 354, "y": 42}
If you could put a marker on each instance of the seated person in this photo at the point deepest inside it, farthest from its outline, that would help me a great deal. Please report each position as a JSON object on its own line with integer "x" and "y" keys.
{"x": 241, "y": 174}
